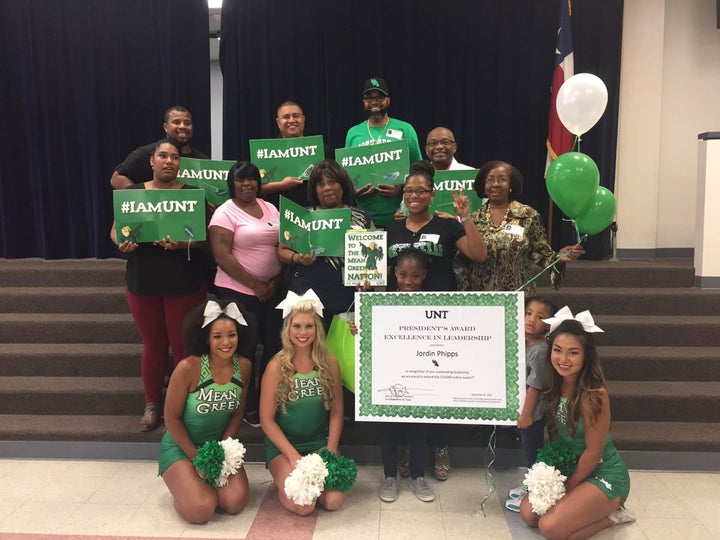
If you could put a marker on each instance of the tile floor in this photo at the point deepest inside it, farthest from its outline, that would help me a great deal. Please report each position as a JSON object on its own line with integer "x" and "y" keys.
{"x": 58, "y": 500}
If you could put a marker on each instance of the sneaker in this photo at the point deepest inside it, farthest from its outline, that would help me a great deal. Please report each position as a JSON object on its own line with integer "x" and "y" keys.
{"x": 252, "y": 418}
{"x": 403, "y": 465}
{"x": 518, "y": 492}
{"x": 388, "y": 489}
{"x": 513, "y": 504}
{"x": 422, "y": 489}
{"x": 621, "y": 515}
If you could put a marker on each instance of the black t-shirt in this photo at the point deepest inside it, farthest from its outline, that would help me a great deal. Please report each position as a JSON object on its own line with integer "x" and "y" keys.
{"x": 153, "y": 271}
{"x": 136, "y": 165}
{"x": 437, "y": 239}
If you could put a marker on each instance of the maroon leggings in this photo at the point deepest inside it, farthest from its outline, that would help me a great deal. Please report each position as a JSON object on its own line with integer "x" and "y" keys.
{"x": 159, "y": 320}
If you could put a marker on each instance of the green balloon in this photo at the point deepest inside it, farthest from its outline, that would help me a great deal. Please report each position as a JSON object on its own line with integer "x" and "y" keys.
{"x": 571, "y": 181}
{"x": 599, "y": 215}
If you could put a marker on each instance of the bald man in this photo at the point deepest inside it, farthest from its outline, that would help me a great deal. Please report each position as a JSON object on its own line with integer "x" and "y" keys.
{"x": 440, "y": 149}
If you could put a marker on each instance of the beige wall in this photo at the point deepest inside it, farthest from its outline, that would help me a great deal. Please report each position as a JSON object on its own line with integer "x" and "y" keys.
{"x": 669, "y": 92}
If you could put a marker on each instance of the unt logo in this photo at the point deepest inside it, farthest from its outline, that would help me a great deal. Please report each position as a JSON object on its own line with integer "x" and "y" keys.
{"x": 435, "y": 314}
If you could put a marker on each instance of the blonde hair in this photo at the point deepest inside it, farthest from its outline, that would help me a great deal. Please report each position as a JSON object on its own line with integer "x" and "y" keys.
{"x": 319, "y": 354}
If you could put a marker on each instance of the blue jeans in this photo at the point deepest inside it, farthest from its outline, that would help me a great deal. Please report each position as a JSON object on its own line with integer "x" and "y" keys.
{"x": 532, "y": 439}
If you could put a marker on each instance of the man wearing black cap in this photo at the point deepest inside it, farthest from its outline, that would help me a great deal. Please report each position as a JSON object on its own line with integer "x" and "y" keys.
{"x": 380, "y": 128}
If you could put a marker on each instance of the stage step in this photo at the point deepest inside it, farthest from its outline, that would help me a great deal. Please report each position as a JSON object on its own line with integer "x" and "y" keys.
{"x": 70, "y": 355}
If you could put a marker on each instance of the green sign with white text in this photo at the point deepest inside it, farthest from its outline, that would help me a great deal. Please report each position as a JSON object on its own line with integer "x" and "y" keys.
{"x": 319, "y": 231}
{"x": 448, "y": 181}
{"x": 279, "y": 158}
{"x": 385, "y": 163}
{"x": 207, "y": 174}
{"x": 150, "y": 215}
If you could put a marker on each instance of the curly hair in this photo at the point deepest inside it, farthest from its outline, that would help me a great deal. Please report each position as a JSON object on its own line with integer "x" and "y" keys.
{"x": 195, "y": 337}
{"x": 319, "y": 355}
{"x": 516, "y": 179}
{"x": 589, "y": 385}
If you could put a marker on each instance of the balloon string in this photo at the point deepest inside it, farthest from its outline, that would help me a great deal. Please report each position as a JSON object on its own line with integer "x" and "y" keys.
{"x": 577, "y": 142}
{"x": 489, "y": 478}
{"x": 558, "y": 258}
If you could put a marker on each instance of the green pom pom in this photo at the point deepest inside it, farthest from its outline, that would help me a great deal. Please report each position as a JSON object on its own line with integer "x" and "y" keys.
{"x": 342, "y": 471}
{"x": 209, "y": 461}
{"x": 559, "y": 456}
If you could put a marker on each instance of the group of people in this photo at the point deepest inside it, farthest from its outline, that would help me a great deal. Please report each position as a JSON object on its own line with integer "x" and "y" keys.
{"x": 497, "y": 247}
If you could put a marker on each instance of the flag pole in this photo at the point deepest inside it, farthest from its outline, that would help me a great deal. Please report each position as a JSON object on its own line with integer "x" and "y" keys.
{"x": 559, "y": 139}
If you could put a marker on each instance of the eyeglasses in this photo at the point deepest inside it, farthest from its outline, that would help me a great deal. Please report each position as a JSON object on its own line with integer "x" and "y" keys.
{"x": 417, "y": 191}
{"x": 498, "y": 180}
{"x": 433, "y": 143}
{"x": 374, "y": 98}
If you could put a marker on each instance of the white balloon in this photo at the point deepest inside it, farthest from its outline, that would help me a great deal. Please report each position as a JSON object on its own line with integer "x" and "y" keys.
{"x": 581, "y": 101}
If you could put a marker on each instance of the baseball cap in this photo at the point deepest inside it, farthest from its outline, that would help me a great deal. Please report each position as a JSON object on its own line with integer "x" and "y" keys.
{"x": 376, "y": 83}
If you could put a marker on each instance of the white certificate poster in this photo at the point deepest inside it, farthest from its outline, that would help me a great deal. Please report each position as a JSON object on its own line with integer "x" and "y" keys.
{"x": 450, "y": 357}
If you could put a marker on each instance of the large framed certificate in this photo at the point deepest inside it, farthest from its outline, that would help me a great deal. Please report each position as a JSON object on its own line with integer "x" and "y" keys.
{"x": 444, "y": 357}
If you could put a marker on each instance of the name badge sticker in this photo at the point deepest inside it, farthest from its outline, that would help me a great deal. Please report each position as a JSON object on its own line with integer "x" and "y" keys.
{"x": 430, "y": 238}
{"x": 394, "y": 133}
{"x": 515, "y": 230}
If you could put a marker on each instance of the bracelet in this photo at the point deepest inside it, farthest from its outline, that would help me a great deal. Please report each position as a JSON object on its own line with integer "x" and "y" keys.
{"x": 464, "y": 219}
{"x": 292, "y": 258}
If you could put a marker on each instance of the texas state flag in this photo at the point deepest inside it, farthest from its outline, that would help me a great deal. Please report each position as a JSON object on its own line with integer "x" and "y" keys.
{"x": 559, "y": 139}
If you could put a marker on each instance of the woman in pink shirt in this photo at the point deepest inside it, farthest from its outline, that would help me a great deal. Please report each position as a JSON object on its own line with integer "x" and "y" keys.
{"x": 244, "y": 238}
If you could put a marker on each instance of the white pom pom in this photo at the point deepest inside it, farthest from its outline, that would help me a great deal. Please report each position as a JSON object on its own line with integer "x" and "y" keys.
{"x": 234, "y": 459}
{"x": 545, "y": 487}
{"x": 307, "y": 481}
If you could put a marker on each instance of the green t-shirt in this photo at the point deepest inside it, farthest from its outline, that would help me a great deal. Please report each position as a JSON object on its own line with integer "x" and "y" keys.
{"x": 383, "y": 208}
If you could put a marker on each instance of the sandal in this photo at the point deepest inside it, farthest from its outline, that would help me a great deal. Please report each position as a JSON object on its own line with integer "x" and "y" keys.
{"x": 441, "y": 468}
{"x": 151, "y": 417}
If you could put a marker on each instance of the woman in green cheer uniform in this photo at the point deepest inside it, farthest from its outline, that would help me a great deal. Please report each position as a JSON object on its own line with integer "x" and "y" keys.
{"x": 205, "y": 402}
{"x": 301, "y": 409}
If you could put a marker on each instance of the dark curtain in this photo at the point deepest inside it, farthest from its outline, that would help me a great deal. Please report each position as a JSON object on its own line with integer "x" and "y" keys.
{"x": 482, "y": 68}
{"x": 82, "y": 83}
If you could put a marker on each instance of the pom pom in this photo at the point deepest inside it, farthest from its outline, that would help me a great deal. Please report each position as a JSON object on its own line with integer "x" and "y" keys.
{"x": 559, "y": 456}
{"x": 234, "y": 452}
{"x": 307, "y": 481}
{"x": 545, "y": 486}
{"x": 342, "y": 471}
{"x": 209, "y": 461}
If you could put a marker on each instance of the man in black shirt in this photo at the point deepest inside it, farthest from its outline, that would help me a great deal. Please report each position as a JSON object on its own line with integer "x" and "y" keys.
{"x": 136, "y": 166}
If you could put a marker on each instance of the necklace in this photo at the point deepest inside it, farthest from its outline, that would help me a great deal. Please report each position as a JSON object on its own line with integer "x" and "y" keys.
{"x": 382, "y": 132}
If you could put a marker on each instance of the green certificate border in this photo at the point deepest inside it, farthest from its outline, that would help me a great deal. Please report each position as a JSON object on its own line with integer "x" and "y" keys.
{"x": 512, "y": 304}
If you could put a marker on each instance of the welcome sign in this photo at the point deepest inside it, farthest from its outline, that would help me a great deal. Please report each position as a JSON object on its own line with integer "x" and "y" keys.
{"x": 279, "y": 158}
{"x": 150, "y": 215}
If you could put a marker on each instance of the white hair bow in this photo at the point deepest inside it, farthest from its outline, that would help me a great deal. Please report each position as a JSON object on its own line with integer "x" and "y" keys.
{"x": 213, "y": 311}
{"x": 292, "y": 299}
{"x": 564, "y": 314}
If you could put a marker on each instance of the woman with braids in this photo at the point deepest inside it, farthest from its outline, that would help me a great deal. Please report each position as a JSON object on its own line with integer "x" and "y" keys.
{"x": 301, "y": 409}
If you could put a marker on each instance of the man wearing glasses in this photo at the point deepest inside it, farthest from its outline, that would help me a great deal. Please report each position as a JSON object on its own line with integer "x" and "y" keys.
{"x": 440, "y": 149}
{"x": 382, "y": 200}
